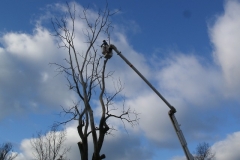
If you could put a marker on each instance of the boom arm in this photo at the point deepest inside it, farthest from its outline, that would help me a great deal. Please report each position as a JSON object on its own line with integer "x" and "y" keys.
{"x": 108, "y": 50}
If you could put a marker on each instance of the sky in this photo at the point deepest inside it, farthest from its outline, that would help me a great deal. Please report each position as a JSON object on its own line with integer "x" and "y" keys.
{"x": 188, "y": 50}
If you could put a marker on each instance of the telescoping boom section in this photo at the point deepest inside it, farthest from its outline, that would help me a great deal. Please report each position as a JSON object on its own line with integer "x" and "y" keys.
{"x": 107, "y": 52}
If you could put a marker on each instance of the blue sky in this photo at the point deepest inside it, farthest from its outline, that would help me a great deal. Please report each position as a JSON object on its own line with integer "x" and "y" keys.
{"x": 189, "y": 50}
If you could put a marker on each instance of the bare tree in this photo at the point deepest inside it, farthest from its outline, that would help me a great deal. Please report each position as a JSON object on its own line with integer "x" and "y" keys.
{"x": 204, "y": 152}
{"x": 6, "y": 152}
{"x": 49, "y": 146}
{"x": 85, "y": 71}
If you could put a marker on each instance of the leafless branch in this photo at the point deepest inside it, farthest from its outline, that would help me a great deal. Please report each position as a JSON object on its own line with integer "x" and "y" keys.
{"x": 204, "y": 152}
{"x": 50, "y": 145}
{"x": 6, "y": 152}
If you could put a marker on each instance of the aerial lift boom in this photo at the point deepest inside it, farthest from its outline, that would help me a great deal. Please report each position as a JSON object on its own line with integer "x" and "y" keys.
{"x": 107, "y": 51}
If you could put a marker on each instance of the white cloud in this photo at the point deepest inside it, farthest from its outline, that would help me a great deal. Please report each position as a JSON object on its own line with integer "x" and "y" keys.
{"x": 228, "y": 148}
{"x": 26, "y": 77}
{"x": 154, "y": 120}
{"x": 189, "y": 79}
{"x": 225, "y": 37}
{"x": 27, "y": 148}
{"x": 30, "y": 47}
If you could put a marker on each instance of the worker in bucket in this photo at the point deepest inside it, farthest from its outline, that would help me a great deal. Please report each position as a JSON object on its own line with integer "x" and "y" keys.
{"x": 106, "y": 50}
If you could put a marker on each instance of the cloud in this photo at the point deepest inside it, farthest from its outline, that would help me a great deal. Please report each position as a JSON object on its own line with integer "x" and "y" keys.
{"x": 29, "y": 47}
{"x": 28, "y": 83}
{"x": 190, "y": 79}
{"x": 228, "y": 148}
{"x": 225, "y": 37}
{"x": 154, "y": 121}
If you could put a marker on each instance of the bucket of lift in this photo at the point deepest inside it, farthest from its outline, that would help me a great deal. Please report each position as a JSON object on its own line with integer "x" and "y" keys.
{"x": 106, "y": 50}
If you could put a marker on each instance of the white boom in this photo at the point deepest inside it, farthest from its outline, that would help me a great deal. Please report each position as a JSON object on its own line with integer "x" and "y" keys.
{"x": 107, "y": 51}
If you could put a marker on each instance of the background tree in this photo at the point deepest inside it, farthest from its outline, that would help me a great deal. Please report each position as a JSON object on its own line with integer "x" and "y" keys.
{"x": 85, "y": 71}
{"x": 49, "y": 146}
{"x": 204, "y": 152}
{"x": 6, "y": 152}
